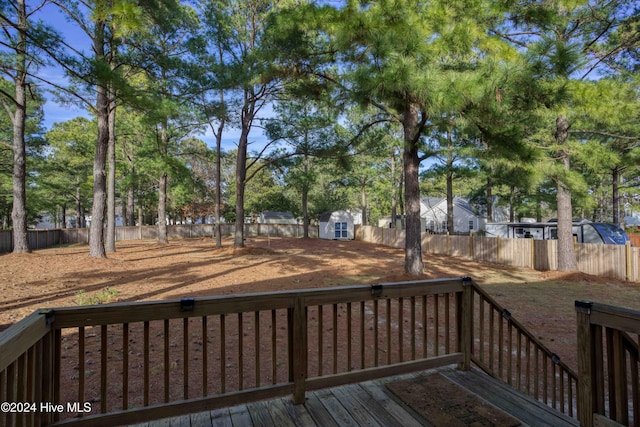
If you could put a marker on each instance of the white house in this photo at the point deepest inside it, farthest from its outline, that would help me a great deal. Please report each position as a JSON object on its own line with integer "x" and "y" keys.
{"x": 336, "y": 225}
{"x": 269, "y": 217}
{"x": 433, "y": 210}
{"x": 385, "y": 222}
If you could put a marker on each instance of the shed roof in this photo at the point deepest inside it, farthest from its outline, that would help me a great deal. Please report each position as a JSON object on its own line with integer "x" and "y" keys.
{"x": 325, "y": 217}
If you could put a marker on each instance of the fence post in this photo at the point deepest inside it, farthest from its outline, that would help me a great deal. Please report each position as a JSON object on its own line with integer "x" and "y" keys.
{"x": 298, "y": 349}
{"x": 586, "y": 365}
{"x": 627, "y": 252}
{"x": 533, "y": 254}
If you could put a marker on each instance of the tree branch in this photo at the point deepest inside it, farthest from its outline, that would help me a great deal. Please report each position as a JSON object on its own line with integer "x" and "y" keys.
{"x": 607, "y": 134}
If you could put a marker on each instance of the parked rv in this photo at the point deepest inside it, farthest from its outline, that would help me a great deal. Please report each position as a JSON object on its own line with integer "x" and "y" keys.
{"x": 584, "y": 231}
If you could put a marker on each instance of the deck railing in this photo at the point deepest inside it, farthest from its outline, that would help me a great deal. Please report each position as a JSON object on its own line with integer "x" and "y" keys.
{"x": 608, "y": 364}
{"x": 506, "y": 350}
{"x": 131, "y": 362}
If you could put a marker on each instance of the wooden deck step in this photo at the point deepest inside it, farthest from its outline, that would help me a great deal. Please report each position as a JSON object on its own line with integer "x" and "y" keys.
{"x": 529, "y": 411}
{"x": 368, "y": 404}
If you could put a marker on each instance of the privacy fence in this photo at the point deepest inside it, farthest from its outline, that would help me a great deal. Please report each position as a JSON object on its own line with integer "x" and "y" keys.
{"x": 614, "y": 261}
{"x": 40, "y": 239}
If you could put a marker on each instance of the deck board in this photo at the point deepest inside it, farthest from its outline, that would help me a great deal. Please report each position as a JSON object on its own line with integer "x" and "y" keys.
{"x": 335, "y": 408}
{"x": 260, "y": 414}
{"x": 358, "y": 410}
{"x": 318, "y": 412}
{"x": 368, "y": 404}
{"x": 240, "y": 416}
{"x": 221, "y": 418}
{"x": 279, "y": 413}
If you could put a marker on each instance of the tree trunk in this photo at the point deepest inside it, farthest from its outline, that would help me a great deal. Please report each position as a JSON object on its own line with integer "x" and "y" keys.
{"x": 566, "y": 253}
{"x": 96, "y": 235}
{"x": 305, "y": 198}
{"x": 450, "y": 219}
{"x": 218, "y": 226}
{"x": 241, "y": 175}
{"x": 131, "y": 206}
{"x": 19, "y": 210}
{"x": 401, "y": 195}
{"x": 363, "y": 202}
{"x": 79, "y": 216}
{"x": 615, "y": 202}
{"x": 248, "y": 113}
{"x": 413, "y": 238}
{"x": 512, "y": 204}
{"x": 450, "y": 224}
{"x": 111, "y": 184}
{"x": 394, "y": 193}
{"x": 162, "y": 188}
{"x": 489, "y": 199}
{"x": 162, "y": 209}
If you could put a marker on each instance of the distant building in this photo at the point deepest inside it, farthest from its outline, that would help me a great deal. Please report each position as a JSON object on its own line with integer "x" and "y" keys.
{"x": 270, "y": 217}
{"x": 433, "y": 211}
{"x": 336, "y": 225}
{"x": 385, "y": 222}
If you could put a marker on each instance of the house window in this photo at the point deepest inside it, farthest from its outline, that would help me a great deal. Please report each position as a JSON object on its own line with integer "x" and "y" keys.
{"x": 444, "y": 226}
{"x": 341, "y": 230}
{"x": 432, "y": 225}
{"x": 470, "y": 225}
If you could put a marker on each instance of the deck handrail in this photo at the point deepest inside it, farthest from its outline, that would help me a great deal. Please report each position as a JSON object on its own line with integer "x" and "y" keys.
{"x": 608, "y": 364}
{"x": 505, "y": 349}
{"x": 27, "y": 369}
{"x": 196, "y": 354}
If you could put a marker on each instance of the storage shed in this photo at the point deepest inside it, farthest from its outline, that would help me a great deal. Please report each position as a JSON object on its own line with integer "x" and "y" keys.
{"x": 336, "y": 225}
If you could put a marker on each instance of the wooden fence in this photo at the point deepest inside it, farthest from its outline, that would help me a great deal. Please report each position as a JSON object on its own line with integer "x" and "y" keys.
{"x": 614, "y": 261}
{"x": 40, "y": 239}
{"x": 620, "y": 262}
{"x": 204, "y": 353}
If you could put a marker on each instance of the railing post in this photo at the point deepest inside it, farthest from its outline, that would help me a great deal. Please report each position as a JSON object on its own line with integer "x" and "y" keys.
{"x": 465, "y": 323}
{"x": 586, "y": 364}
{"x": 298, "y": 349}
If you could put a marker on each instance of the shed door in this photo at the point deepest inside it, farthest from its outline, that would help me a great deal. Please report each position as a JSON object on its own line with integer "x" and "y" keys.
{"x": 341, "y": 230}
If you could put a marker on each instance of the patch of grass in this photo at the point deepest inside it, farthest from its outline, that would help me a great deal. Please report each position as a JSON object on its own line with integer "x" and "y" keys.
{"x": 104, "y": 296}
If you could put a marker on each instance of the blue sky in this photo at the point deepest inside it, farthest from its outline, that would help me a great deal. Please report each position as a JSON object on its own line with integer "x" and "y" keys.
{"x": 55, "y": 112}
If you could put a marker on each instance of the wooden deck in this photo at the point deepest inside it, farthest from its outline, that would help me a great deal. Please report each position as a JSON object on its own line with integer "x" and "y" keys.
{"x": 368, "y": 404}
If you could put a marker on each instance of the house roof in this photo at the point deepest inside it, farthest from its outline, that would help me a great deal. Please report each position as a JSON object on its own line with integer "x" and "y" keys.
{"x": 325, "y": 217}
{"x": 277, "y": 215}
{"x": 433, "y": 202}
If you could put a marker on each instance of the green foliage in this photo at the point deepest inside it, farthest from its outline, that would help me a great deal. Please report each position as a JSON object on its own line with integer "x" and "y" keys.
{"x": 104, "y": 296}
{"x": 35, "y": 146}
{"x": 487, "y": 80}
{"x": 66, "y": 178}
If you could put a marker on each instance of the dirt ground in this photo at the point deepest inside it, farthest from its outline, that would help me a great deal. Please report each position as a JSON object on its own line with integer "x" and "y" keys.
{"x": 67, "y": 276}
